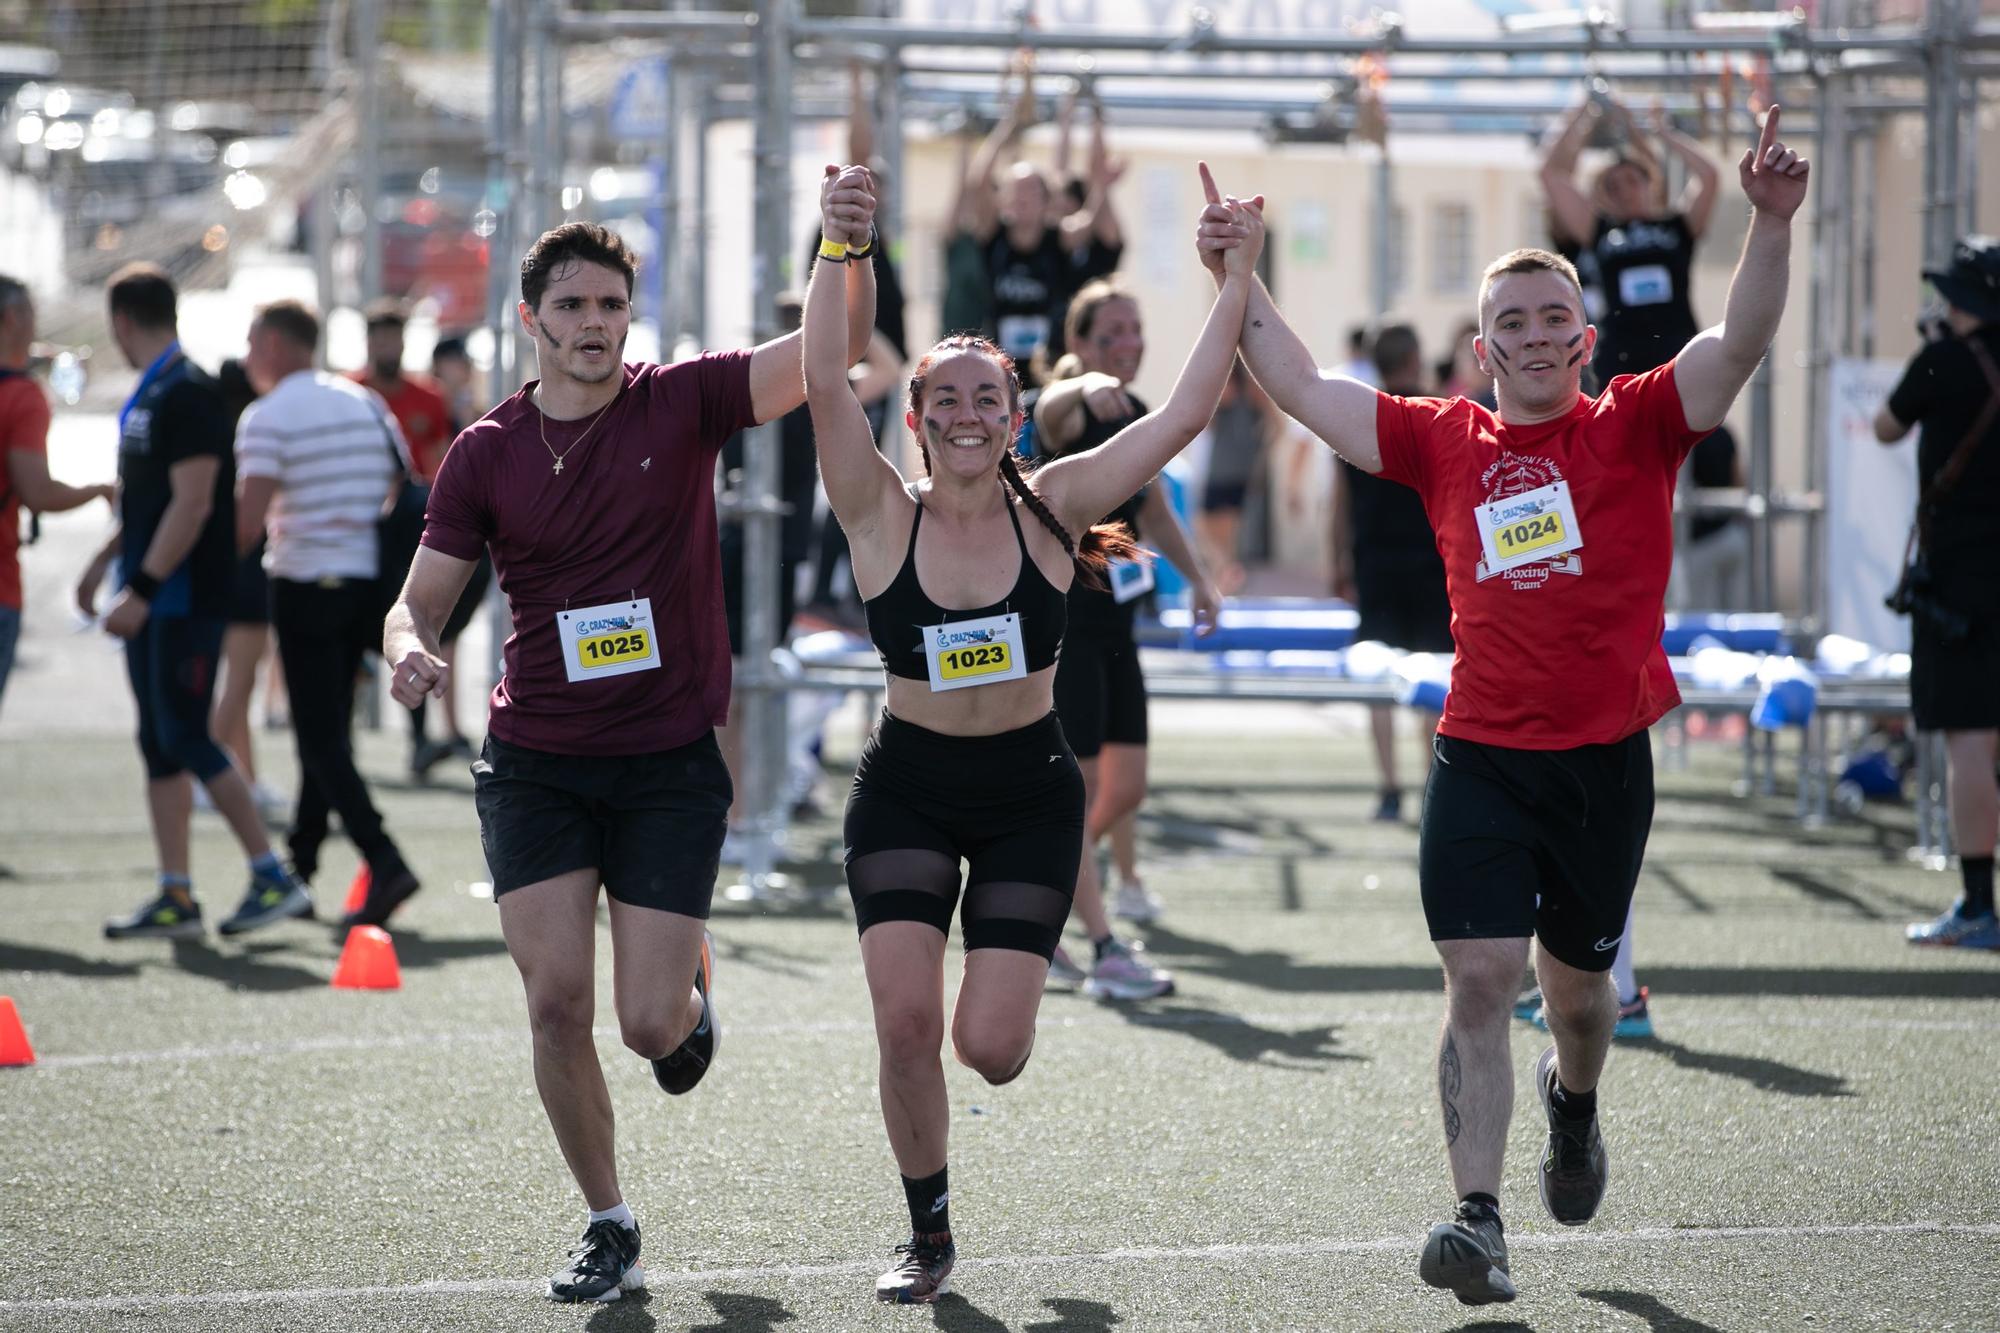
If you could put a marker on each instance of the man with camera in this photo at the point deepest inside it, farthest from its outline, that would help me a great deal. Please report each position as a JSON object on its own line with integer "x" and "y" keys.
{"x": 1951, "y": 583}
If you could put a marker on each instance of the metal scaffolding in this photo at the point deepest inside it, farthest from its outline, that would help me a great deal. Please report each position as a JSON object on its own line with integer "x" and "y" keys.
{"x": 723, "y": 66}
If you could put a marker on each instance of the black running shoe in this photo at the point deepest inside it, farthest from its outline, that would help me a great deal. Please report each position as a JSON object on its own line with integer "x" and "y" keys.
{"x": 1575, "y": 1167}
{"x": 385, "y": 895}
{"x": 922, "y": 1272}
{"x": 164, "y": 918}
{"x": 678, "y": 1071}
{"x": 1467, "y": 1256}
{"x": 603, "y": 1266}
{"x": 268, "y": 900}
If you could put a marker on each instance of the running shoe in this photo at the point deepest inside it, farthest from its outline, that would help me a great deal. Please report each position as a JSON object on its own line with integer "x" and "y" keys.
{"x": 1953, "y": 931}
{"x": 678, "y": 1071}
{"x": 272, "y": 804}
{"x": 1467, "y": 1256}
{"x": 1135, "y": 902}
{"x": 1123, "y": 975}
{"x": 1634, "y": 1022}
{"x": 427, "y": 755}
{"x": 269, "y": 900}
{"x": 922, "y": 1271}
{"x": 1064, "y": 974}
{"x": 1575, "y": 1167}
{"x": 164, "y": 918}
{"x": 1529, "y": 1008}
{"x": 1389, "y": 809}
{"x": 603, "y": 1266}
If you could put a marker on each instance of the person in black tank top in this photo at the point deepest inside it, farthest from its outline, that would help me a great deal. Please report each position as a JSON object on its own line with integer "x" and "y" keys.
{"x": 966, "y": 602}
{"x": 1100, "y": 690}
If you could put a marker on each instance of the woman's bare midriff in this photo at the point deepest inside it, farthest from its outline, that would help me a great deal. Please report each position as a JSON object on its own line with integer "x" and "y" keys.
{"x": 978, "y": 710}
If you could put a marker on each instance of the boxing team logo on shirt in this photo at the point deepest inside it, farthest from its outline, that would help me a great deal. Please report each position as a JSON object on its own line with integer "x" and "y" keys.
{"x": 1517, "y": 474}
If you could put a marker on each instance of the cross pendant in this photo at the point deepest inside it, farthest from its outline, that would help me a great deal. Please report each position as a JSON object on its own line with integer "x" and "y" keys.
{"x": 559, "y": 465}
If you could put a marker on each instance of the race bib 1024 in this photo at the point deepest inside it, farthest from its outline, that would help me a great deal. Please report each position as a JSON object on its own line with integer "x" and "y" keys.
{"x": 1534, "y": 525}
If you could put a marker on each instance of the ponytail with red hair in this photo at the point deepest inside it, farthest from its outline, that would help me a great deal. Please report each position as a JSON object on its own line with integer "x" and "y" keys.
{"x": 1104, "y": 542}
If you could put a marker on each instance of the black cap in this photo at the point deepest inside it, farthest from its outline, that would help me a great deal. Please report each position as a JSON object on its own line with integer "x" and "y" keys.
{"x": 1972, "y": 280}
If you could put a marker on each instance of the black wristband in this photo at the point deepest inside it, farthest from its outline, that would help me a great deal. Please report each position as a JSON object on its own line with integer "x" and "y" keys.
{"x": 866, "y": 250}
{"x": 142, "y": 584}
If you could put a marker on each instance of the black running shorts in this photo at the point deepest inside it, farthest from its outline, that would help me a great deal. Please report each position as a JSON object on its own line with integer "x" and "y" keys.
{"x": 650, "y": 824}
{"x": 1010, "y": 806}
{"x": 1536, "y": 842}
{"x": 1100, "y": 693}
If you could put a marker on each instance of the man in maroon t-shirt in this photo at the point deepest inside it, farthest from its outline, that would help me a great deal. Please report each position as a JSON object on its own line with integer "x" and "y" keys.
{"x": 593, "y": 490}
{"x": 1554, "y": 520}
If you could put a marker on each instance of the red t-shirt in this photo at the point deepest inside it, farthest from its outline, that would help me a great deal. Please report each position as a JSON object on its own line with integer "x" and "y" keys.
{"x": 632, "y": 514}
{"x": 1562, "y": 652}
{"x": 420, "y": 409}
{"x": 24, "y": 426}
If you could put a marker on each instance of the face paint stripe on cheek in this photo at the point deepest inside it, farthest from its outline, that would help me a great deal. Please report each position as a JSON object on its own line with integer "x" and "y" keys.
{"x": 1575, "y": 357}
{"x": 1574, "y": 341}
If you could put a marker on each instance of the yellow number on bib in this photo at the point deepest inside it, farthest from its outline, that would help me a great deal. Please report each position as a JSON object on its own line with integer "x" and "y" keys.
{"x": 611, "y": 649}
{"x": 978, "y": 660}
{"x": 1530, "y": 534}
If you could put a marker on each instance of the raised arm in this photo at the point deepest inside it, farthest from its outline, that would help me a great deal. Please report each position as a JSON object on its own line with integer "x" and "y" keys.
{"x": 1567, "y": 203}
{"x": 1059, "y": 411}
{"x": 859, "y": 480}
{"x": 1697, "y": 202}
{"x": 847, "y": 216}
{"x": 1083, "y": 488}
{"x": 1713, "y": 368}
{"x": 860, "y": 118}
{"x": 976, "y": 211}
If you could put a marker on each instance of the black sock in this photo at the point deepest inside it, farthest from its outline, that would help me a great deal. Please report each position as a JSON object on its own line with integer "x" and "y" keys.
{"x": 1484, "y": 1201}
{"x": 930, "y": 1203}
{"x": 1103, "y": 946}
{"x": 1573, "y": 1105}
{"x": 1977, "y": 872}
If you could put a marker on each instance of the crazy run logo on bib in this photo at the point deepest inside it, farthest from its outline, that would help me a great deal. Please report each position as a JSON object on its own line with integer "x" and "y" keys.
{"x": 1519, "y": 474}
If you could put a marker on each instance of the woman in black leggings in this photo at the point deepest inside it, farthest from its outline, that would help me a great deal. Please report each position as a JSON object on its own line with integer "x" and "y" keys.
{"x": 965, "y": 594}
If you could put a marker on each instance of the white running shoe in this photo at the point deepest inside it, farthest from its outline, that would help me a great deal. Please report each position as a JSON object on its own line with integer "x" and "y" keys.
{"x": 1135, "y": 902}
{"x": 1123, "y": 975}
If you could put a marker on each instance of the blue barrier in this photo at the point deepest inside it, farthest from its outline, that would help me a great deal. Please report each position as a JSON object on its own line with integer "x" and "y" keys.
{"x": 1272, "y": 624}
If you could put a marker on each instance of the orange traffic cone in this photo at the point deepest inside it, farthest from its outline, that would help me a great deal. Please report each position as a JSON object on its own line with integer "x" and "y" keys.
{"x": 357, "y": 891}
{"x": 14, "y": 1048}
{"x": 368, "y": 961}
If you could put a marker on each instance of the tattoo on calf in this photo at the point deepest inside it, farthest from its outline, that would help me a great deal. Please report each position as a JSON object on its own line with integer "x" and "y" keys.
{"x": 1450, "y": 1079}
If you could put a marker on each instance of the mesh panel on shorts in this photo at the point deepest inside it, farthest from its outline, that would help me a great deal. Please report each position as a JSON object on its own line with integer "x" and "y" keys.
{"x": 1012, "y": 915}
{"x": 903, "y": 884}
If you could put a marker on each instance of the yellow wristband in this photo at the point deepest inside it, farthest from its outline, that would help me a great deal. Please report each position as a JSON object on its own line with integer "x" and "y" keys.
{"x": 833, "y": 250}
{"x": 863, "y": 251}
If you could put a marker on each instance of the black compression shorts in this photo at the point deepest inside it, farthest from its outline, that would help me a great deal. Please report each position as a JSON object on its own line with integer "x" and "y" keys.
{"x": 1010, "y": 806}
{"x": 1100, "y": 693}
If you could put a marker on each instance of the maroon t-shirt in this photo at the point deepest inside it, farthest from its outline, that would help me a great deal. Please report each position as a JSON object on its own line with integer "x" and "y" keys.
{"x": 631, "y": 514}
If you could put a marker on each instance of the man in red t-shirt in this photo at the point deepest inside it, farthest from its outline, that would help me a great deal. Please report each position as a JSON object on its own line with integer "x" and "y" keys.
{"x": 24, "y": 459}
{"x": 593, "y": 488}
{"x": 1554, "y": 519}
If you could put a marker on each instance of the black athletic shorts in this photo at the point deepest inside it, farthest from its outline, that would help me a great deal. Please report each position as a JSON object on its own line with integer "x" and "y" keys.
{"x": 1954, "y": 680}
{"x": 1100, "y": 693}
{"x": 1010, "y": 805}
{"x": 1536, "y": 842}
{"x": 468, "y": 601}
{"x": 171, "y": 663}
{"x": 1402, "y": 602}
{"x": 650, "y": 824}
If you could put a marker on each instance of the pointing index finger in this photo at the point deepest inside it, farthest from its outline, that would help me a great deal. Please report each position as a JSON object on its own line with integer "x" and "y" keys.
{"x": 1208, "y": 185}
{"x": 1770, "y": 134}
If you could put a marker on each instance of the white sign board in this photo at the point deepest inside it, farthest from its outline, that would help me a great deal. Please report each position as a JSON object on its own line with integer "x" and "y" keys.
{"x": 1871, "y": 497}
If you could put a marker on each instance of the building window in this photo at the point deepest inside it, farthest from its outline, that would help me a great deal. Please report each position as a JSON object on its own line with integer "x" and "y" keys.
{"x": 1451, "y": 249}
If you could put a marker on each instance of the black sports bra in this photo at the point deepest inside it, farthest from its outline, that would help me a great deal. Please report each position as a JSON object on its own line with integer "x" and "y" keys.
{"x": 897, "y": 617}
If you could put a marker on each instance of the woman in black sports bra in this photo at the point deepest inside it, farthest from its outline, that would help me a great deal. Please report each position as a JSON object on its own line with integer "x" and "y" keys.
{"x": 965, "y": 597}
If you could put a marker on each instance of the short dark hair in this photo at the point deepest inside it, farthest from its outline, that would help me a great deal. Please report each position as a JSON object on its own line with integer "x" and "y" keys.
{"x": 579, "y": 242}
{"x": 145, "y": 294}
{"x": 385, "y": 311}
{"x": 296, "y": 320}
{"x": 449, "y": 349}
{"x": 1396, "y": 349}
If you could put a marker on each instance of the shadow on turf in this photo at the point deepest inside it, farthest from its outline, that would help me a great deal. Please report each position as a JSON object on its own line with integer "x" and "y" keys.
{"x": 1240, "y": 1039}
{"x": 1276, "y": 971}
{"x": 736, "y": 1313}
{"x": 1764, "y": 1075}
{"x": 25, "y": 958}
{"x": 1659, "y": 1317}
